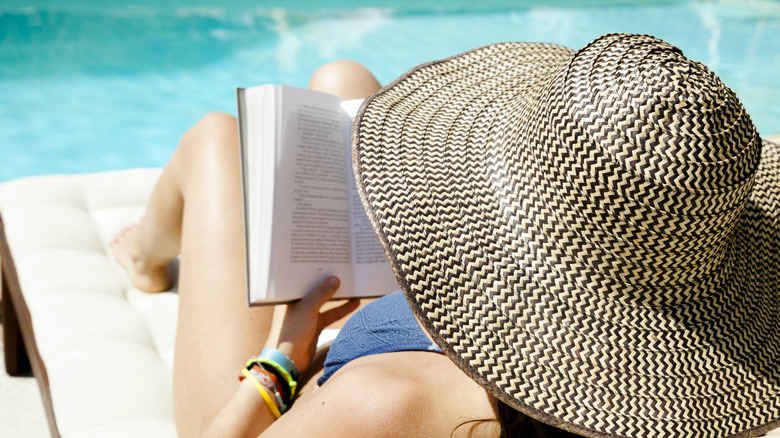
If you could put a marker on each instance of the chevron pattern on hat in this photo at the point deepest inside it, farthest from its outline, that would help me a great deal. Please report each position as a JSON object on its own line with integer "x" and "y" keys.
{"x": 592, "y": 236}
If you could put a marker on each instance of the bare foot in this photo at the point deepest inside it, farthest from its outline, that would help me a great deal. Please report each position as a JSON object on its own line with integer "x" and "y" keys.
{"x": 143, "y": 275}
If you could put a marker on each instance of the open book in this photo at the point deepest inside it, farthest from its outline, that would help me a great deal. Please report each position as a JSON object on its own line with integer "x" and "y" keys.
{"x": 302, "y": 213}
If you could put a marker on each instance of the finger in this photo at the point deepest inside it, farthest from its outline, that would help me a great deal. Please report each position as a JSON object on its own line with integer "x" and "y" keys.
{"x": 330, "y": 316}
{"x": 324, "y": 291}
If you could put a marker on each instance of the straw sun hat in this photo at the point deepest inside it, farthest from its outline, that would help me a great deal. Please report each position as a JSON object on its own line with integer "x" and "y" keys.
{"x": 593, "y": 236}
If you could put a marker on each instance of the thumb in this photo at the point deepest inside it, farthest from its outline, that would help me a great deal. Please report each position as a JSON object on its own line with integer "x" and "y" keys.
{"x": 325, "y": 290}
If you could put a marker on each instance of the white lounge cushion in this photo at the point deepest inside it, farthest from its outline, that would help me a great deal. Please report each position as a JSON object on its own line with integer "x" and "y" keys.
{"x": 107, "y": 347}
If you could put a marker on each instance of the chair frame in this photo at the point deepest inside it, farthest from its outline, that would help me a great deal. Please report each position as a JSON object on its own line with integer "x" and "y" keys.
{"x": 20, "y": 347}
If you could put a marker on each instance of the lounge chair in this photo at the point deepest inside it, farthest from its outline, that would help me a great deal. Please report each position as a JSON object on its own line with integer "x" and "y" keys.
{"x": 101, "y": 350}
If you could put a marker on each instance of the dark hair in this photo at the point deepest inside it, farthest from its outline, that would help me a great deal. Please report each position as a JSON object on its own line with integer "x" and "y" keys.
{"x": 513, "y": 424}
{"x": 516, "y": 424}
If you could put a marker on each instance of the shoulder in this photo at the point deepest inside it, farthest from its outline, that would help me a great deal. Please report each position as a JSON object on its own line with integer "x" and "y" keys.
{"x": 395, "y": 394}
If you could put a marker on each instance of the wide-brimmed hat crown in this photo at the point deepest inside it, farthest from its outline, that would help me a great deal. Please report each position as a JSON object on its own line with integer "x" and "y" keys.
{"x": 592, "y": 236}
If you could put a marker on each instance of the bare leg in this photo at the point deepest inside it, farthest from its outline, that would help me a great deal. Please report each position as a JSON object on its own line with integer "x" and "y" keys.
{"x": 346, "y": 79}
{"x": 195, "y": 212}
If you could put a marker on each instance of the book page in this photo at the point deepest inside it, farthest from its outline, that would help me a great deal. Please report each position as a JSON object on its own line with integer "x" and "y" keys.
{"x": 371, "y": 271}
{"x": 311, "y": 215}
{"x": 257, "y": 131}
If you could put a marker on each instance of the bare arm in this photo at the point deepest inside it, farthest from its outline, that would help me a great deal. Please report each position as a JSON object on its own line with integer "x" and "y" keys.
{"x": 364, "y": 401}
{"x": 246, "y": 414}
{"x": 405, "y": 394}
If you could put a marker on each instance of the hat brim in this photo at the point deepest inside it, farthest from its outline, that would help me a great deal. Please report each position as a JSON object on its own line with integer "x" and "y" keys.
{"x": 477, "y": 255}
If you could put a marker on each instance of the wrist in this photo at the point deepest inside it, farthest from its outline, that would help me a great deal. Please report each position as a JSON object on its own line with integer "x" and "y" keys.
{"x": 277, "y": 361}
{"x": 275, "y": 377}
{"x": 273, "y": 401}
{"x": 288, "y": 349}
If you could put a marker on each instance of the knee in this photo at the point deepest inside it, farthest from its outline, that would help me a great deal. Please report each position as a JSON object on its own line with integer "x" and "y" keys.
{"x": 216, "y": 123}
{"x": 214, "y": 128}
{"x": 346, "y": 79}
{"x": 213, "y": 137}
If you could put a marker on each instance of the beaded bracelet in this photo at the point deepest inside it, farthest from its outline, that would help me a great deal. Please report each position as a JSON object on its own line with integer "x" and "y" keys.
{"x": 275, "y": 377}
{"x": 263, "y": 392}
{"x": 280, "y": 365}
{"x": 271, "y": 383}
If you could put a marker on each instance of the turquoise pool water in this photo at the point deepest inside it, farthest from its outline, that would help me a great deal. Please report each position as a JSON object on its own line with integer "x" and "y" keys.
{"x": 87, "y": 86}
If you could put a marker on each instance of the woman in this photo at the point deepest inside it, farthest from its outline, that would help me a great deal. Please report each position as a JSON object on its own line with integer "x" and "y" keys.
{"x": 195, "y": 211}
{"x": 590, "y": 238}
